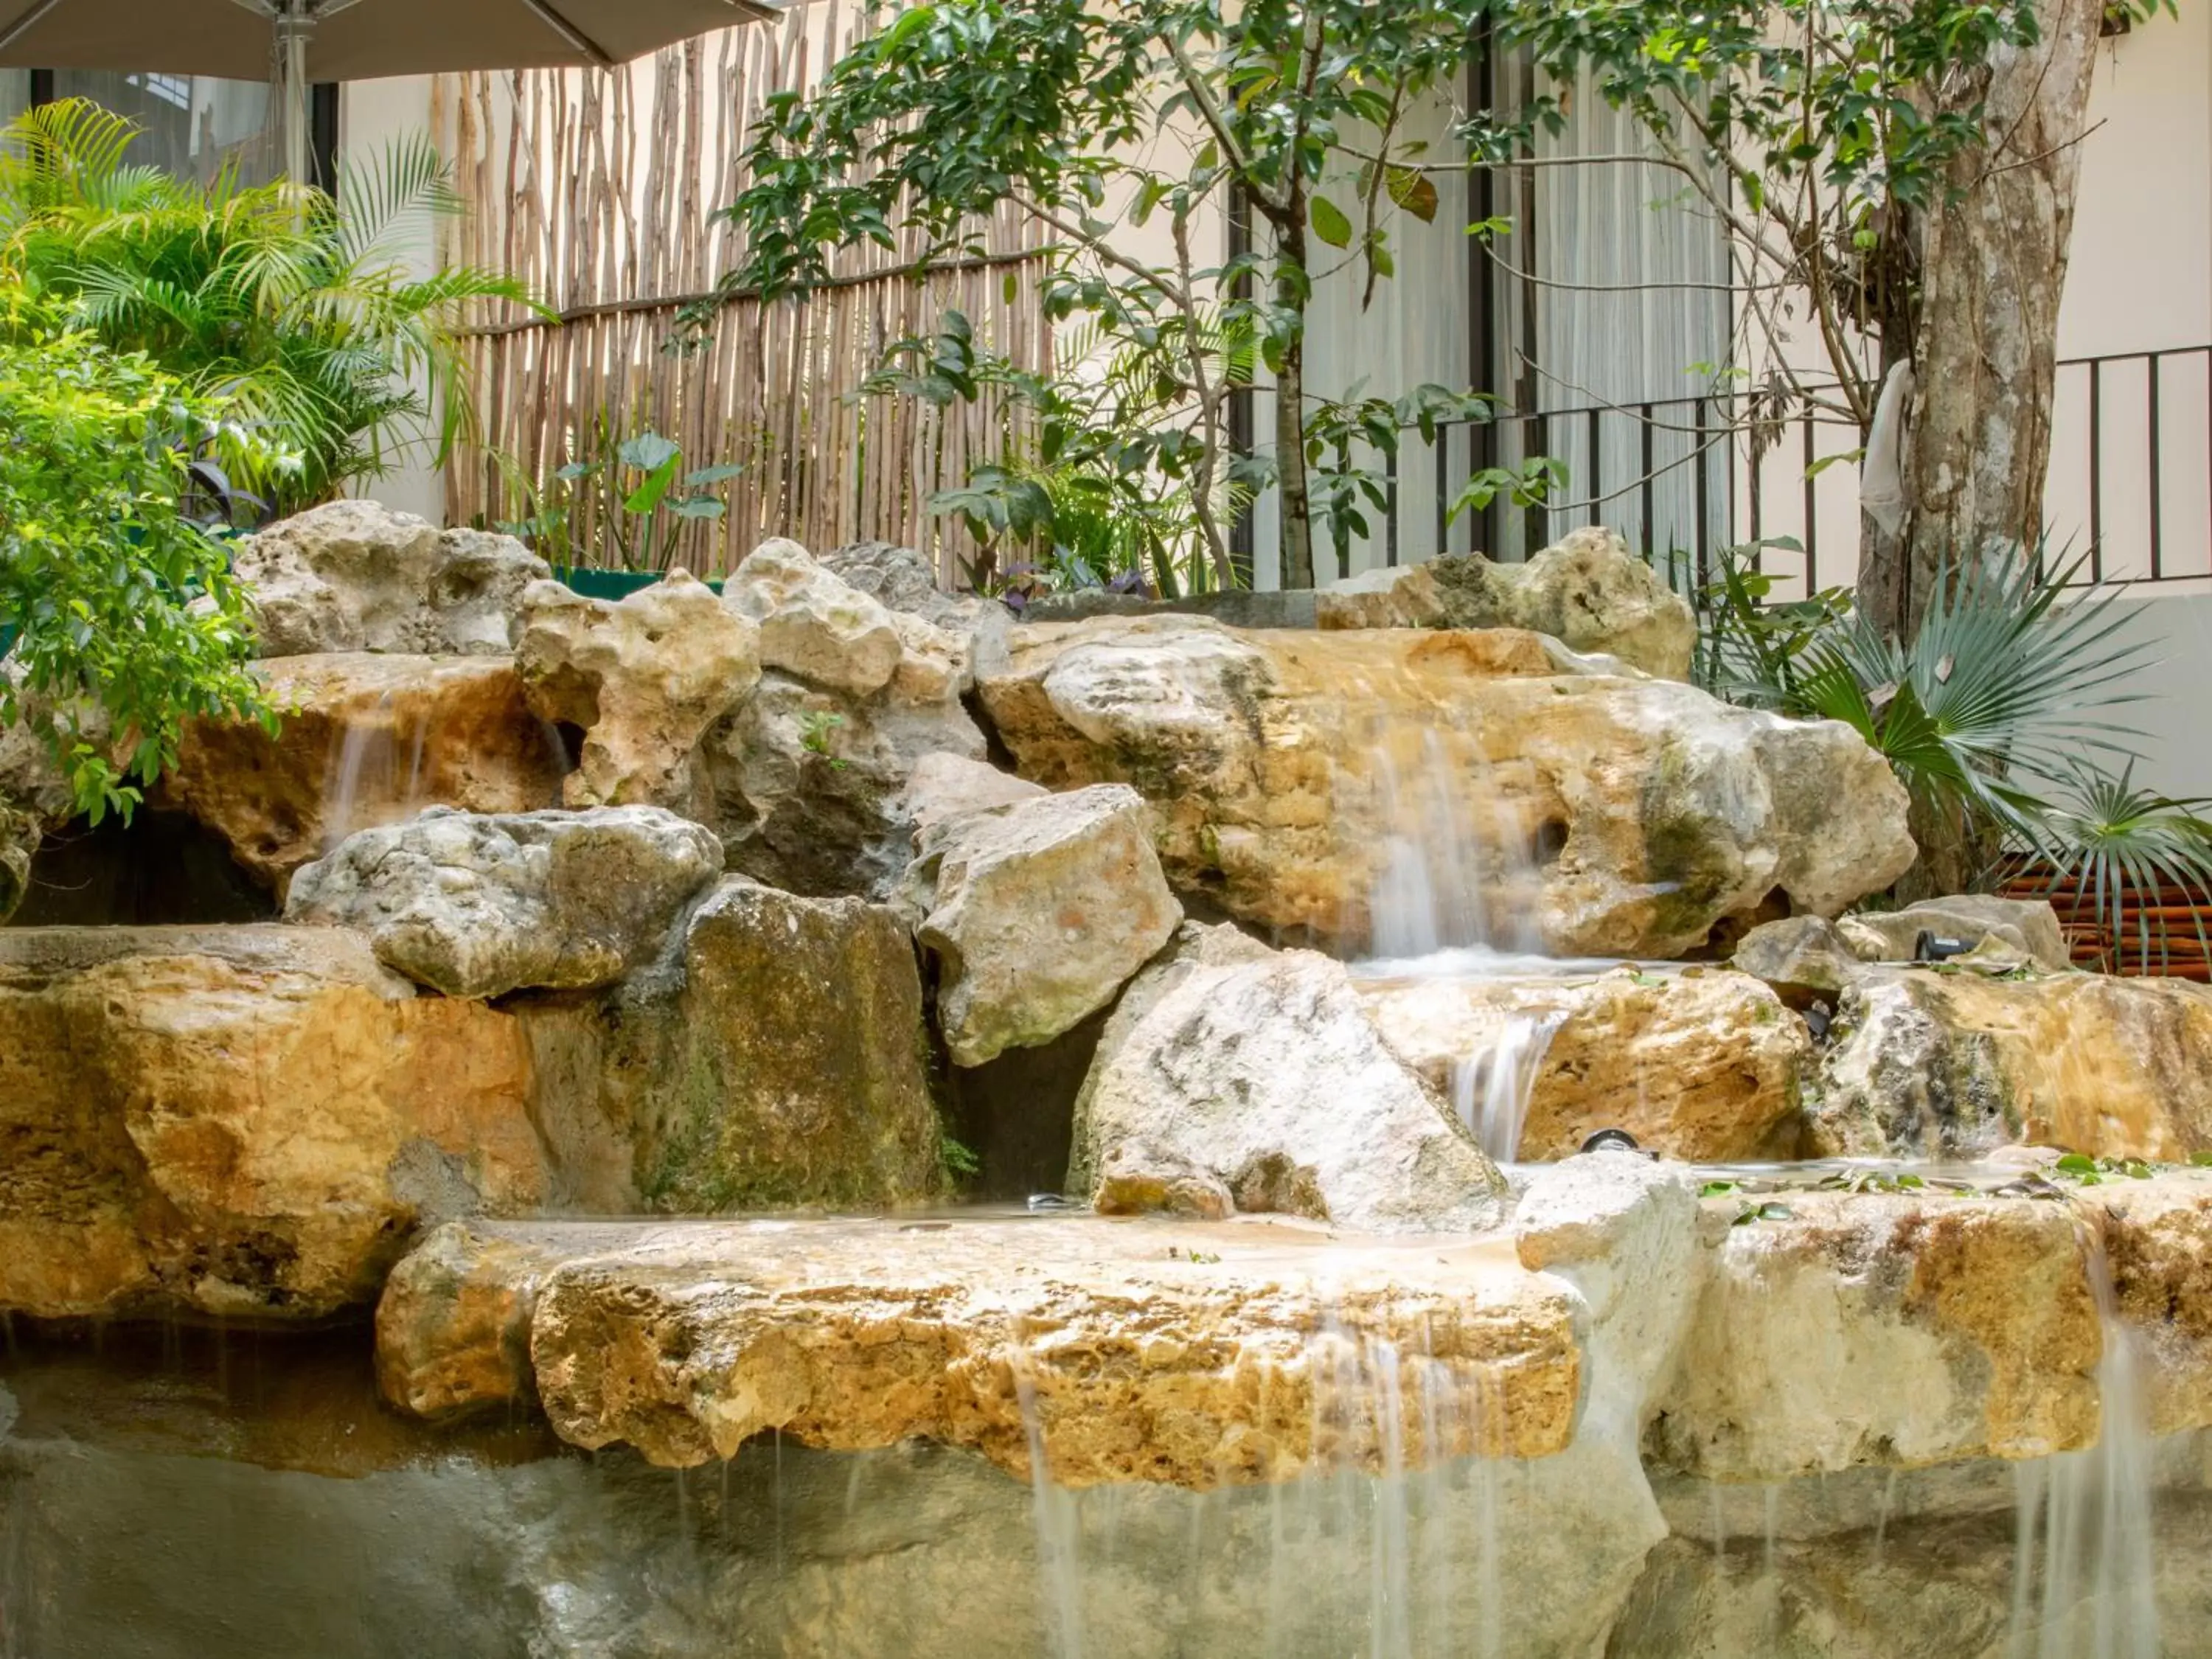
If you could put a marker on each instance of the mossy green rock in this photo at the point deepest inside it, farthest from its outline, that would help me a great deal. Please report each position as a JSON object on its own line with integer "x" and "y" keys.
{"x": 776, "y": 1058}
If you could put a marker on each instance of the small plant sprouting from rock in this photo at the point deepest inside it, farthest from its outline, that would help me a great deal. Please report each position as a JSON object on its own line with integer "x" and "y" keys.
{"x": 1203, "y": 1258}
{"x": 2087, "y": 1171}
{"x": 816, "y": 735}
{"x": 958, "y": 1158}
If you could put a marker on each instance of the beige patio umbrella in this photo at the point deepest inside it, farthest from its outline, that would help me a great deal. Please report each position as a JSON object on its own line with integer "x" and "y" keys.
{"x": 299, "y": 42}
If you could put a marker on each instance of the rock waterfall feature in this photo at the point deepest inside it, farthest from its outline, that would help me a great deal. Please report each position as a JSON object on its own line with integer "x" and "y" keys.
{"x": 822, "y": 1119}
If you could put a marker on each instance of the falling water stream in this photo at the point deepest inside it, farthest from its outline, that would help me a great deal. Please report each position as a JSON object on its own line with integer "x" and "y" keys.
{"x": 2085, "y": 1562}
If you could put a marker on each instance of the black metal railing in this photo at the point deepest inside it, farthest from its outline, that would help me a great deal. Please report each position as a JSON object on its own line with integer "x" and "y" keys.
{"x": 2129, "y": 483}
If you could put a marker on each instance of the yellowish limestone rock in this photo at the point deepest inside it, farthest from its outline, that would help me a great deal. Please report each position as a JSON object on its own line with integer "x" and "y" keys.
{"x": 1941, "y": 1062}
{"x": 1285, "y": 770}
{"x": 1702, "y": 1065}
{"x": 1178, "y": 1353}
{"x": 239, "y": 1120}
{"x": 366, "y": 739}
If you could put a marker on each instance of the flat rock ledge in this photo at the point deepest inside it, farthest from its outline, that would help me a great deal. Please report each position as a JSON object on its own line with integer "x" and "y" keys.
{"x": 1809, "y": 1333}
{"x": 1198, "y": 1355}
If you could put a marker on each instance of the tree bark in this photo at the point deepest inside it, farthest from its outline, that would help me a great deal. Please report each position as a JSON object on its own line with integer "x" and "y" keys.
{"x": 1993, "y": 250}
{"x": 1296, "y": 501}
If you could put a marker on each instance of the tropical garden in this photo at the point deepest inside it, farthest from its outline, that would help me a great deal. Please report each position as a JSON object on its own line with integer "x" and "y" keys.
{"x": 183, "y": 361}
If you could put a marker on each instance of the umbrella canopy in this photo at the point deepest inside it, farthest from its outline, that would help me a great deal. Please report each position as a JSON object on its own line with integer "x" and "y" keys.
{"x": 301, "y": 42}
{"x": 349, "y": 39}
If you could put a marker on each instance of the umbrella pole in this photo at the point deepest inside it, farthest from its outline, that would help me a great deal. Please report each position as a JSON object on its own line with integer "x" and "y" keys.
{"x": 292, "y": 26}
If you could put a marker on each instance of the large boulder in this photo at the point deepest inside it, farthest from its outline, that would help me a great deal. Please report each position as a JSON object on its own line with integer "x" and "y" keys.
{"x": 479, "y": 905}
{"x": 813, "y": 624}
{"x": 1233, "y": 1079}
{"x": 1038, "y": 913}
{"x": 900, "y": 579}
{"x": 364, "y": 740}
{"x": 642, "y": 679}
{"x": 1165, "y": 1354}
{"x": 1945, "y": 1061}
{"x": 775, "y": 1057}
{"x": 1703, "y": 1064}
{"x": 1292, "y": 774}
{"x": 354, "y": 575}
{"x": 1588, "y": 591}
{"x": 240, "y": 1122}
{"x": 1839, "y": 1329}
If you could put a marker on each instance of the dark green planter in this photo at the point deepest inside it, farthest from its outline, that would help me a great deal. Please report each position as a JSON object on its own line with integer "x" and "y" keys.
{"x": 614, "y": 585}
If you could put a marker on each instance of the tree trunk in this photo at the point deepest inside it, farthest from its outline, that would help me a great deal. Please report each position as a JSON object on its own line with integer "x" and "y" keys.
{"x": 1993, "y": 266}
{"x": 1296, "y": 503}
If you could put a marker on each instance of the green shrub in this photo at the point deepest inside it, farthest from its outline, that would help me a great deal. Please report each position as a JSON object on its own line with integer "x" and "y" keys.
{"x": 126, "y": 621}
{"x": 296, "y": 309}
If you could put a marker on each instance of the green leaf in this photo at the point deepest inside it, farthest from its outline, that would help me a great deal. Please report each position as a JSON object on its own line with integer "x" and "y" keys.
{"x": 648, "y": 452}
{"x": 1329, "y": 223}
{"x": 648, "y": 493}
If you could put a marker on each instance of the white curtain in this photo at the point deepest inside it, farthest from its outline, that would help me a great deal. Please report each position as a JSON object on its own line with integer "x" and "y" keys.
{"x": 1413, "y": 331}
{"x": 1628, "y": 316}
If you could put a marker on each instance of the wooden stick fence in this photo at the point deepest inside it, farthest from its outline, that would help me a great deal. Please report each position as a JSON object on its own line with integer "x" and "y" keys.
{"x": 598, "y": 189}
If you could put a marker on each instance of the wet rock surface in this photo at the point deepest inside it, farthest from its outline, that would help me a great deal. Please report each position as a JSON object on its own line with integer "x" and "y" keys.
{"x": 480, "y": 905}
{"x": 1286, "y": 771}
{"x": 1949, "y": 1060}
{"x": 1234, "y": 1078}
{"x": 1173, "y": 1353}
{"x": 1703, "y": 1064}
{"x": 777, "y": 1056}
{"x": 366, "y": 739}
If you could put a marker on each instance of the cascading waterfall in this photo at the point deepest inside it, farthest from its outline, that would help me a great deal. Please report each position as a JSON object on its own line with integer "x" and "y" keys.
{"x": 1455, "y": 899}
{"x": 2084, "y": 1561}
{"x": 1491, "y": 1087}
{"x": 1426, "y": 1529}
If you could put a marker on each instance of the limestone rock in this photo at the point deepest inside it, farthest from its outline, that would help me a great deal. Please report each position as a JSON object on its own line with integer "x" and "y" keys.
{"x": 813, "y": 624}
{"x": 1941, "y": 1062}
{"x": 1262, "y": 1085}
{"x": 477, "y": 906}
{"x": 1293, "y": 776}
{"x": 644, "y": 679}
{"x": 1703, "y": 1064}
{"x": 810, "y": 787}
{"x": 1038, "y": 913}
{"x": 1869, "y": 1328}
{"x": 901, "y": 579}
{"x": 354, "y": 575}
{"x": 942, "y": 787}
{"x": 365, "y": 740}
{"x": 777, "y": 1058}
{"x": 242, "y": 1121}
{"x": 1588, "y": 591}
{"x": 1622, "y": 1228}
{"x": 2158, "y": 1244}
{"x": 453, "y": 1326}
{"x": 1802, "y": 956}
{"x": 2030, "y": 926}
{"x": 1162, "y": 1353}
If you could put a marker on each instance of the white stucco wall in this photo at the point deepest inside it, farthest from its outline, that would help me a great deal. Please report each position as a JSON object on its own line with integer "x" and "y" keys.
{"x": 370, "y": 113}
